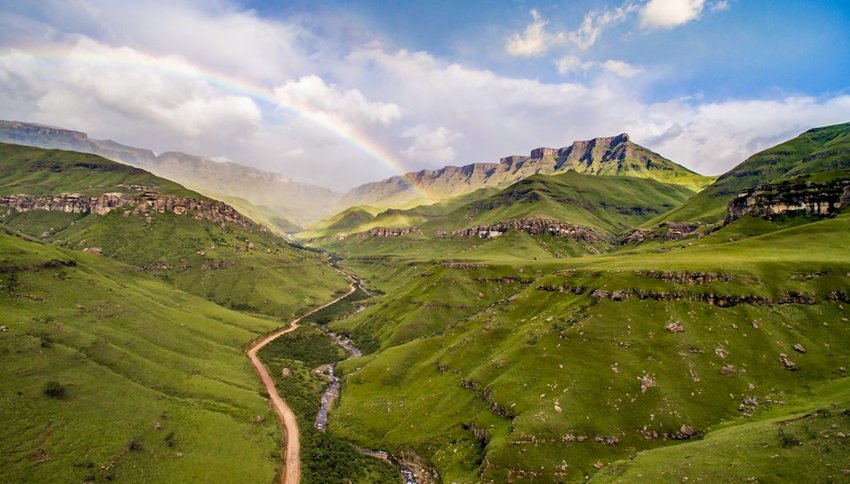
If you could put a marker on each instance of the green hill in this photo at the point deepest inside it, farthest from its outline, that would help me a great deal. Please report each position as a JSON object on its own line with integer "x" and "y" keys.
{"x": 150, "y": 383}
{"x": 599, "y": 204}
{"x": 496, "y": 369}
{"x": 817, "y": 151}
{"x": 190, "y": 241}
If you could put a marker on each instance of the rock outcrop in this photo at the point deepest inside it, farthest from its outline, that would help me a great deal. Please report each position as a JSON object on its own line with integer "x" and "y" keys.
{"x": 536, "y": 226}
{"x": 132, "y": 203}
{"x": 767, "y": 201}
{"x": 665, "y": 231}
{"x": 392, "y": 232}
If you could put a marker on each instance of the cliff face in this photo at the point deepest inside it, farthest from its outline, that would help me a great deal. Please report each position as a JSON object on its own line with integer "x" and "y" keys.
{"x": 135, "y": 204}
{"x": 794, "y": 198}
{"x": 614, "y": 155}
{"x": 535, "y": 226}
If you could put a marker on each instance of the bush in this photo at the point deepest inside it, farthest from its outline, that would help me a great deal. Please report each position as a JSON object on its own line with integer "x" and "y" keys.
{"x": 54, "y": 390}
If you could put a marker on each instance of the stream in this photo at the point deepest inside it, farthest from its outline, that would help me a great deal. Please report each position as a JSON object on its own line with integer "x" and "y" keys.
{"x": 331, "y": 394}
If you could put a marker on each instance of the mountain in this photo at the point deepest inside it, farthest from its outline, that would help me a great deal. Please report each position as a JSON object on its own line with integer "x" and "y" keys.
{"x": 616, "y": 155}
{"x": 289, "y": 200}
{"x": 542, "y": 216}
{"x": 197, "y": 244}
{"x": 494, "y": 352}
{"x": 112, "y": 374}
{"x": 817, "y": 152}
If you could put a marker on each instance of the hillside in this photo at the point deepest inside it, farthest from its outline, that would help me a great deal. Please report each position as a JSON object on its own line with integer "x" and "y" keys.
{"x": 501, "y": 369}
{"x": 149, "y": 383}
{"x": 543, "y": 216}
{"x": 199, "y": 245}
{"x": 817, "y": 151}
{"x": 616, "y": 155}
{"x": 301, "y": 203}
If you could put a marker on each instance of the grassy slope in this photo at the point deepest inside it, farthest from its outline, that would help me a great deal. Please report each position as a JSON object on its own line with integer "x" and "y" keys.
{"x": 36, "y": 171}
{"x": 206, "y": 259}
{"x": 538, "y": 356}
{"x": 820, "y": 150}
{"x": 131, "y": 352}
{"x": 260, "y": 214}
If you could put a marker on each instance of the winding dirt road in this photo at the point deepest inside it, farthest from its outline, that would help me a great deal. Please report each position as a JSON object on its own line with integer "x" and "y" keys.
{"x": 292, "y": 442}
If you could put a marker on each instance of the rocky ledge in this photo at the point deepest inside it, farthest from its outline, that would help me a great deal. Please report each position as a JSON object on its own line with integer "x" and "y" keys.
{"x": 135, "y": 203}
{"x": 536, "y": 226}
{"x": 791, "y": 198}
{"x": 665, "y": 231}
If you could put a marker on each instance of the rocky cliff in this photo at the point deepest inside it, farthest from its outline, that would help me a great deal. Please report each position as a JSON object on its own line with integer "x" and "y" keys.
{"x": 535, "y": 226}
{"x": 134, "y": 204}
{"x": 299, "y": 202}
{"x": 791, "y": 198}
{"x": 615, "y": 155}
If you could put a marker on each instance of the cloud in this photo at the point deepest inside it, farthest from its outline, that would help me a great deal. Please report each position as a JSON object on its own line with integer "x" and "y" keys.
{"x": 670, "y": 13}
{"x": 720, "y": 6}
{"x": 148, "y": 83}
{"x": 432, "y": 145}
{"x": 312, "y": 95}
{"x": 536, "y": 40}
{"x": 620, "y": 68}
{"x": 571, "y": 64}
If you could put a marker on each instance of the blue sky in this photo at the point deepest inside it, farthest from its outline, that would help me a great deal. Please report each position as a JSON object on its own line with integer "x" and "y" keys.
{"x": 343, "y": 92}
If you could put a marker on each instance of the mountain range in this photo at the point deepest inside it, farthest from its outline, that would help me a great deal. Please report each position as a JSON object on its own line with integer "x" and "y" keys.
{"x": 275, "y": 199}
{"x": 589, "y": 313}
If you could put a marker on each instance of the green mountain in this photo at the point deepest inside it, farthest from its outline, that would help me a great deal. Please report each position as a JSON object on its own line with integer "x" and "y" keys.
{"x": 149, "y": 383}
{"x": 616, "y": 155}
{"x": 543, "y": 216}
{"x": 197, "y": 244}
{"x": 272, "y": 197}
{"x": 815, "y": 152}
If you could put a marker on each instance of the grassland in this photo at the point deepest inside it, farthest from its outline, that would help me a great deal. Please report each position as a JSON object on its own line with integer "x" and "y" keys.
{"x": 156, "y": 386}
{"x": 477, "y": 368}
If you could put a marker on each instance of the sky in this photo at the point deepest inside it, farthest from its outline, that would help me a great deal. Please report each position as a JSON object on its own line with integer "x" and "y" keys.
{"x": 342, "y": 92}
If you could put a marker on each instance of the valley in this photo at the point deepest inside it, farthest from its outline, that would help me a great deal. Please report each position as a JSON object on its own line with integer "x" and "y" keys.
{"x": 566, "y": 327}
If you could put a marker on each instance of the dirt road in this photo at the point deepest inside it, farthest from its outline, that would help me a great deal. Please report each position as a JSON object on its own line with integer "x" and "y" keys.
{"x": 292, "y": 460}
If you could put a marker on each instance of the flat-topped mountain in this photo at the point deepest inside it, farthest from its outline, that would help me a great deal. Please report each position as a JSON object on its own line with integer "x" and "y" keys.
{"x": 283, "y": 199}
{"x": 615, "y": 155}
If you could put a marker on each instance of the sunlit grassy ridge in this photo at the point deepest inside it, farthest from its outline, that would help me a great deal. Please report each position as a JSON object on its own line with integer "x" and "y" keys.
{"x": 819, "y": 152}
{"x": 239, "y": 267}
{"x": 480, "y": 346}
{"x": 157, "y": 387}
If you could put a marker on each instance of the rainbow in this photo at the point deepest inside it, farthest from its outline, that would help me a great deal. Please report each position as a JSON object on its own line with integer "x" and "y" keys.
{"x": 179, "y": 67}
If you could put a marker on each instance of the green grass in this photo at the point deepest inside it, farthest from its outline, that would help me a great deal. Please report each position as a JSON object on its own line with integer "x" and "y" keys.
{"x": 132, "y": 353}
{"x": 241, "y": 268}
{"x": 36, "y": 171}
{"x": 819, "y": 152}
{"x": 460, "y": 348}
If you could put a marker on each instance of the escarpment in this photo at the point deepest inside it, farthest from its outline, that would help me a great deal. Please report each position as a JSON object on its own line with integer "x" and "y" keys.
{"x": 535, "y": 226}
{"x": 132, "y": 203}
{"x": 791, "y": 198}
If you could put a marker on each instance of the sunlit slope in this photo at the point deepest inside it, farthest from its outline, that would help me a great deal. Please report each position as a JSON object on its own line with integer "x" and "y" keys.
{"x": 225, "y": 258}
{"x": 551, "y": 370}
{"x": 156, "y": 385}
{"x": 817, "y": 151}
{"x": 604, "y": 205}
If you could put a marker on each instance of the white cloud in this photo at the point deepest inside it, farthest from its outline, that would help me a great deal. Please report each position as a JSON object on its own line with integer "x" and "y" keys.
{"x": 571, "y": 64}
{"x": 312, "y": 95}
{"x": 432, "y": 145}
{"x": 534, "y": 41}
{"x": 670, "y": 13}
{"x": 620, "y": 68}
{"x": 720, "y": 6}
